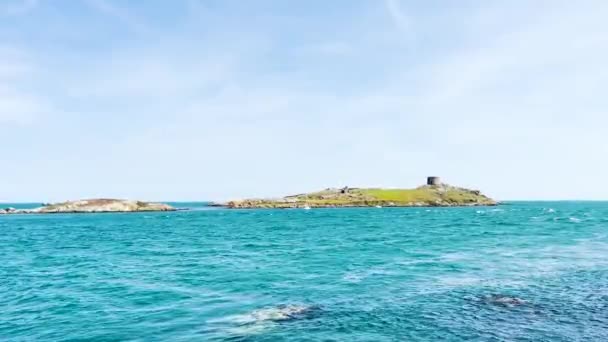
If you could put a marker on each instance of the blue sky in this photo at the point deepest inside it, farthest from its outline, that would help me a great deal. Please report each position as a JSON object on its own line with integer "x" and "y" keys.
{"x": 210, "y": 99}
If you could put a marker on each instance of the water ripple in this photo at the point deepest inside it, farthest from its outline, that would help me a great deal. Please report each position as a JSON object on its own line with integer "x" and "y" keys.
{"x": 524, "y": 271}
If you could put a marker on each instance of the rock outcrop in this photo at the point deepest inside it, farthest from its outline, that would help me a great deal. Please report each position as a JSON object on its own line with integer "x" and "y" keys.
{"x": 93, "y": 206}
{"x": 8, "y": 210}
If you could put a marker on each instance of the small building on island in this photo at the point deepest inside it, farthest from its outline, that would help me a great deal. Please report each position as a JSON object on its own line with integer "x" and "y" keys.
{"x": 433, "y": 181}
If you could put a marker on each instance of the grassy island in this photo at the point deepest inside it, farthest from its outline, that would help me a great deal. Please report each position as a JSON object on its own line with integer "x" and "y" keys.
{"x": 436, "y": 195}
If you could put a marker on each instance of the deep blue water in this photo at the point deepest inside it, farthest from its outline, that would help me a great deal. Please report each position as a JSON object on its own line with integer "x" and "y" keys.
{"x": 391, "y": 274}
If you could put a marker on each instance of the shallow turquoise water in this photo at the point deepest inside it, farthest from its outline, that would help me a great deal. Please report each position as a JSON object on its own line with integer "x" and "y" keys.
{"x": 370, "y": 274}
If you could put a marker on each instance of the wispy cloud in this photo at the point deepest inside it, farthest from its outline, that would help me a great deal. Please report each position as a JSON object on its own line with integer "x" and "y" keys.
{"x": 17, "y": 106}
{"x": 401, "y": 20}
{"x": 13, "y": 63}
{"x": 119, "y": 13}
{"x": 159, "y": 76}
{"x": 18, "y": 7}
{"x": 487, "y": 92}
{"x": 328, "y": 48}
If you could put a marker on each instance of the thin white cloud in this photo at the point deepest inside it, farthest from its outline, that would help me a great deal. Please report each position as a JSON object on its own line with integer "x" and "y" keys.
{"x": 119, "y": 13}
{"x": 400, "y": 19}
{"x": 18, "y": 7}
{"x": 19, "y": 107}
{"x": 13, "y": 63}
{"x": 535, "y": 55}
{"x": 477, "y": 106}
{"x": 157, "y": 76}
{"x": 16, "y": 105}
{"x": 329, "y": 48}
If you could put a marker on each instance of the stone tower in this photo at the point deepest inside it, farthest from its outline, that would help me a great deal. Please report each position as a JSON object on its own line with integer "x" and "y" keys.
{"x": 433, "y": 181}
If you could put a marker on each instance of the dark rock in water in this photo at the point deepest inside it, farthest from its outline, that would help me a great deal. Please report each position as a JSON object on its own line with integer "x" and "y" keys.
{"x": 8, "y": 210}
{"x": 503, "y": 300}
{"x": 283, "y": 313}
{"x": 258, "y": 320}
{"x": 306, "y": 312}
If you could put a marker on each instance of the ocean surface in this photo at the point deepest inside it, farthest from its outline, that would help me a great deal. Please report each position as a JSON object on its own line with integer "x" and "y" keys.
{"x": 527, "y": 271}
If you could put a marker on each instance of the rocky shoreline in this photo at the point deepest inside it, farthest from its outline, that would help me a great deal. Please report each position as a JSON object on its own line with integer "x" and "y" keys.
{"x": 92, "y": 206}
{"x": 440, "y": 195}
{"x": 433, "y": 194}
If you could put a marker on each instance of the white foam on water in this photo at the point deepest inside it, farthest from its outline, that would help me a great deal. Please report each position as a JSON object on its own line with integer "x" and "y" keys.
{"x": 358, "y": 276}
{"x": 260, "y": 320}
{"x": 457, "y": 281}
{"x": 456, "y": 256}
{"x": 574, "y": 219}
{"x": 524, "y": 265}
{"x": 415, "y": 262}
{"x": 552, "y": 260}
{"x": 352, "y": 277}
{"x": 252, "y": 329}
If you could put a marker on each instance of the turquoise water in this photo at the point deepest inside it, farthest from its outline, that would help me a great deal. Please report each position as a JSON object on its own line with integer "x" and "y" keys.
{"x": 391, "y": 274}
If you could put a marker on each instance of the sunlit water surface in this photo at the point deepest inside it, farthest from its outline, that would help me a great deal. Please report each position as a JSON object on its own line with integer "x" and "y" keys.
{"x": 523, "y": 271}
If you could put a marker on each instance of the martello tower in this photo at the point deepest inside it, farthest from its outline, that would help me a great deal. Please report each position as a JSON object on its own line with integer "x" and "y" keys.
{"x": 433, "y": 181}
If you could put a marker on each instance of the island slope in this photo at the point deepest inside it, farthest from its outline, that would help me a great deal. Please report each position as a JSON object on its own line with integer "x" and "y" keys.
{"x": 427, "y": 195}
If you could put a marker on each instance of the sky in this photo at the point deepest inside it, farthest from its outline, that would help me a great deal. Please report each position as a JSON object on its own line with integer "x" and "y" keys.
{"x": 221, "y": 99}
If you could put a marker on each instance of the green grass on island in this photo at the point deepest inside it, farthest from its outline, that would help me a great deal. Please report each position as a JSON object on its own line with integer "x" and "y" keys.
{"x": 427, "y": 195}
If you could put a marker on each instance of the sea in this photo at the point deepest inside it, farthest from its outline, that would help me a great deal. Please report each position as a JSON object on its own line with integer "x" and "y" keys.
{"x": 522, "y": 271}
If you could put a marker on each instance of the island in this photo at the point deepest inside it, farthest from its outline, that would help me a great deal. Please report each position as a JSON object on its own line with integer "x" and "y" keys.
{"x": 433, "y": 194}
{"x": 100, "y": 205}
